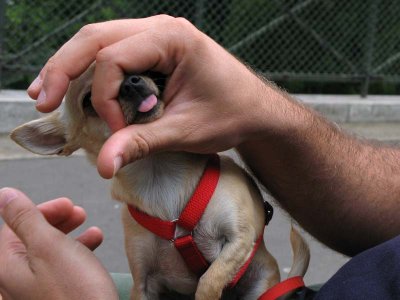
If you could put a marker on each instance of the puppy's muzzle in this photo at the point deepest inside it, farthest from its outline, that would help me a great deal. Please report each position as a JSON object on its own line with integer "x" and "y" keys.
{"x": 138, "y": 97}
{"x": 135, "y": 88}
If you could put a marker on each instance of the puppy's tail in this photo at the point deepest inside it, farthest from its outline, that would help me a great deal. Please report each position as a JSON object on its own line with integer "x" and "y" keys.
{"x": 301, "y": 254}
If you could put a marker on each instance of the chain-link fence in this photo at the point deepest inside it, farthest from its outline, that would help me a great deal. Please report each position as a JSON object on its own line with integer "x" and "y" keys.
{"x": 355, "y": 41}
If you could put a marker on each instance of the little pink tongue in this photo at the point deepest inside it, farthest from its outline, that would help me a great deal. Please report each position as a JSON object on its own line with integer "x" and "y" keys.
{"x": 148, "y": 103}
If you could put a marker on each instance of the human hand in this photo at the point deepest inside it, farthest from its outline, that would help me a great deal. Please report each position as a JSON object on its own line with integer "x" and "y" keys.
{"x": 39, "y": 261}
{"x": 213, "y": 102}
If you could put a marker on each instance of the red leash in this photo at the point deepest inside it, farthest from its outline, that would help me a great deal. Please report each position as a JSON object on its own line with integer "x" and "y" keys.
{"x": 283, "y": 288}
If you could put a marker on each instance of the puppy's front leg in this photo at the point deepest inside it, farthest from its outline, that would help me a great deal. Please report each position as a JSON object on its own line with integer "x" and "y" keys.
{"x": 139, "y": 245}
{"x": 145, "y": 285}
{"x": 232, "y": 257}
{"x": 139, "y": 285}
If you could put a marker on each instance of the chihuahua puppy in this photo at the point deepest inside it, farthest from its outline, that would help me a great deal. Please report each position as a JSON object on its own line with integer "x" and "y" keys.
{"x": 160, "y": 185}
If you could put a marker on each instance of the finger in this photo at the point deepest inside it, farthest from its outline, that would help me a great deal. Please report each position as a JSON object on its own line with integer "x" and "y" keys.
{"x": 76, "y": 219}
{"x": 56, "y": 211}
{"x": 68, "y": 62}
{"x": 91, "y": 238}
{"x": 137, "y": 141}
{"x": 36, "y": 85}
{"x": 62, "y": 214}
{"x": 24, "y": 218}
{"x": 53, "y": 89}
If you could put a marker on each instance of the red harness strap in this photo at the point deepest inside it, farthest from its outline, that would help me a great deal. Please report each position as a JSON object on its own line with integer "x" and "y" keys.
{"x": 282, "y": 288}
{"x": 188, "y": 220}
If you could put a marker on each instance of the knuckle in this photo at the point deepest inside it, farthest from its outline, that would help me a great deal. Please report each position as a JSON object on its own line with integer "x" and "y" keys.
{"x": 180, "y": 24}
{"x": 65, "y": 200}
{"x": 54, "y": 65}
{"x": 185, "y": 28}
{"x": 174, "y": 23}
{"x": 141, "y": 147}
{"x": 51, "y": 64}
{"x": 104, "y": 55}
{"x": 163, "y": 18}
{"x": 183, "y": 22}
{"x": 88, "y": 30}
{"x": 51, "y": 61}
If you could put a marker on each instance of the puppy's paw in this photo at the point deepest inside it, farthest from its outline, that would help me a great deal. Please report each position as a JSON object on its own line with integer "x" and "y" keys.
{"x": 207, "y": 290}
{"x": 135, "y": 295}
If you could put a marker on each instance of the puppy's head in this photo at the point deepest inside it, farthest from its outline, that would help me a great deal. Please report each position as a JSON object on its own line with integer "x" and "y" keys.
{"x": 76, "y": 124}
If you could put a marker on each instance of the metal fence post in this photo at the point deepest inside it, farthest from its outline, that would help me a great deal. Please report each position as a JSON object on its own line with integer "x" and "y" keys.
{"x": 370, "y": 45}
{"x": 2, "y": 32}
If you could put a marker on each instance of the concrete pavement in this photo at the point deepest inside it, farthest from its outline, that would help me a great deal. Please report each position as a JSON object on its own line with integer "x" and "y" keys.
{"x": 73, "y": 177}
{"x": 16, "y": 107}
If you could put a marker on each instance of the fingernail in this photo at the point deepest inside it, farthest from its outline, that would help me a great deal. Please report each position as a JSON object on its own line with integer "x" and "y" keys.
{"x": 36, "y": 83}
{"x": 41, "y": 98}
{"x": 6, "y": 196}
{"x": 117, "y": 164}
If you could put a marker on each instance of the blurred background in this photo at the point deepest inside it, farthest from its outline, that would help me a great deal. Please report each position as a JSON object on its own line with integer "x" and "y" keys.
{"x": 340, "y": 57}
{"x": 307, "y": 46}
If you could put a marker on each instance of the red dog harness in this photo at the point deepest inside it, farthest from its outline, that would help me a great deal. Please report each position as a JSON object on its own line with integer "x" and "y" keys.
{"x": 188, "y": 220}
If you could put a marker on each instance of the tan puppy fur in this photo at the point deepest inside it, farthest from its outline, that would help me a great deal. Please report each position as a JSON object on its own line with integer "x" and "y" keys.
{"x": 160, "y": 185}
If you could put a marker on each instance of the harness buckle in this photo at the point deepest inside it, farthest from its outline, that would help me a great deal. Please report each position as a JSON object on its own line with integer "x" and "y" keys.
{"x": 183, "y": 233}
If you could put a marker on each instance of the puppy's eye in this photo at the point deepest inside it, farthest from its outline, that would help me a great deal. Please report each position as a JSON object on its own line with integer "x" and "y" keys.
{"x": 87, "y": 105}
{"x": 159, "y": 79}
{"x": 87, "y": 101}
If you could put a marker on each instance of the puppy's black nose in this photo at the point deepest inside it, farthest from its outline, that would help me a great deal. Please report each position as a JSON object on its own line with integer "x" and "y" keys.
{"x": 133, "y": 85}
{"x": 134, "y": 80}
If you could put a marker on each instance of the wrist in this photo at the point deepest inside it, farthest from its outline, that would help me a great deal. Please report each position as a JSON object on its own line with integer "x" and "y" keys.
{"x": 274, "y": 114}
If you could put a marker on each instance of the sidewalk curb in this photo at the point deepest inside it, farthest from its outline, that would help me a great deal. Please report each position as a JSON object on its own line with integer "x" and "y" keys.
{"x": 353, "y": 109}
{"x": 16, "y": 108}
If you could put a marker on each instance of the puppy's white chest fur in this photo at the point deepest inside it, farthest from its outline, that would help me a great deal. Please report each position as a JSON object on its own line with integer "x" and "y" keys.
{"x": 161, "y": 186}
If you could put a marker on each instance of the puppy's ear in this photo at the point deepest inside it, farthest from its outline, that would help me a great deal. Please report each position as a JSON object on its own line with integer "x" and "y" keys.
{"x": 43, "y": 136}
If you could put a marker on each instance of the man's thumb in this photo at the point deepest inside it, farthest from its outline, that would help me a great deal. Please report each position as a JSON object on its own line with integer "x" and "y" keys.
{"x": 135, "y": 142}
{"x": 22, "y": 216}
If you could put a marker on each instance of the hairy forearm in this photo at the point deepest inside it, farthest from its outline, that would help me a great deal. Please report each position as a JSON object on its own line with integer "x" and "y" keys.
{"x": 344, "y": 191}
